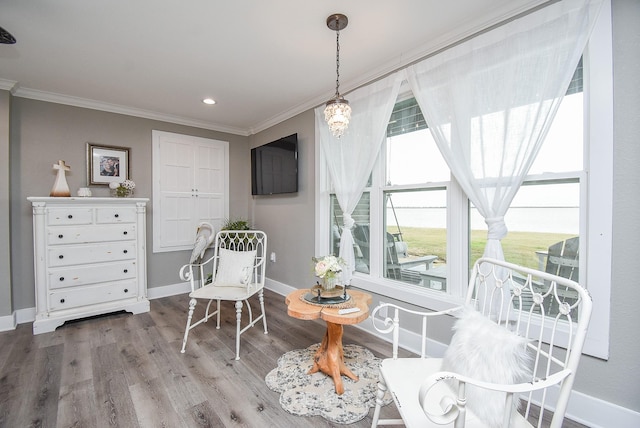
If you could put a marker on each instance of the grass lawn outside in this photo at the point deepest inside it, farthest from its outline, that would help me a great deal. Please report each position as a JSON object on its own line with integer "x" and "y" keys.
{"x": 519, "y": 247}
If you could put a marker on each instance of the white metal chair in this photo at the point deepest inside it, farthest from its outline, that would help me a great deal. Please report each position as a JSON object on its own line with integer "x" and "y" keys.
{"x": 500, "y": 355}
{"x": 235, "y": 272}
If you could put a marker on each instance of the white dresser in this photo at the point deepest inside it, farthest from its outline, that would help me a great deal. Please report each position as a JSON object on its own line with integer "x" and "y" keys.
{"x": 89, "y": 258}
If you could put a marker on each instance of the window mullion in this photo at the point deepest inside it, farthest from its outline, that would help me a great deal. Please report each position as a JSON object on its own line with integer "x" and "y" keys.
{"x": 376, "y": 219}
{"x": 458, "y": 233}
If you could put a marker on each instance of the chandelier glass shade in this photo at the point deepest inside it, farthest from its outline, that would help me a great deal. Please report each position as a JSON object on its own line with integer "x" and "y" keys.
{"x": 337, "y": 112}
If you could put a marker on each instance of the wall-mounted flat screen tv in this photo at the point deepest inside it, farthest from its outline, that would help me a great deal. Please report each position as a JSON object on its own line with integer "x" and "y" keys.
{"x": 274, "y": 167}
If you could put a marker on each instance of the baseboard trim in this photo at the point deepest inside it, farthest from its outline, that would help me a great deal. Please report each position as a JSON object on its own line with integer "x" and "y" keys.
{"x": 583, "y": 408}
{"x": 168, "y": 290}
{"x": 8, "y": 322}
{"x": 597, "y": 413}
{"x": 21, "y": 316}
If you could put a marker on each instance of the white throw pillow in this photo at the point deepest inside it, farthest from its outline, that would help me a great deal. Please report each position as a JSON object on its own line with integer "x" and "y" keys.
{"x": 485, "y": 351}
{"x": 234, "y": 268}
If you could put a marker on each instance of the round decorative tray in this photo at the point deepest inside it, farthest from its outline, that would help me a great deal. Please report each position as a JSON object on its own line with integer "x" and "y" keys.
{"x": 320, "y": 296}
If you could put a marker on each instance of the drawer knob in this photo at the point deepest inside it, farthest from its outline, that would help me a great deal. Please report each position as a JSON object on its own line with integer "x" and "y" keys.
{"x": 126, "y": 270}
{"x": 62, "y": 278}
{"x": 117, "y": 215}
{"x": 61, "y": 300}
{"x": 60, "y": 236}
{"x": 69, "y": 216}
{"x": 125, "y": 251}
{"x": 126, "y": 290}
{"x": 61, "y": 256}
{"x": 125, "y": 232}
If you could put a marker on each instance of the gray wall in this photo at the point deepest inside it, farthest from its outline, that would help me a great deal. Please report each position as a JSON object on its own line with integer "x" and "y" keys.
{"x": 290, "y": 220}
{"x": 6, "y": 305}
{"x": 617, "y": 380}
{"x": 43, "y": 132}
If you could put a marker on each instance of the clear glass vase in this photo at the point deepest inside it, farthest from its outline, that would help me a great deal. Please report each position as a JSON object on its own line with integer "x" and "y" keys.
{"x": 121, "y": 192}
{"x": 329, "y": 282}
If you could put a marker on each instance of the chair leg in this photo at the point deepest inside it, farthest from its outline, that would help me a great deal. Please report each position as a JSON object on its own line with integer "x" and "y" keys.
{"x": 264, "y": 315}
{"x": 218, "y": 315}
{"x": 382, "y": 389}
{"x": 192, "y": 307}
{"x": 238, "y": 319}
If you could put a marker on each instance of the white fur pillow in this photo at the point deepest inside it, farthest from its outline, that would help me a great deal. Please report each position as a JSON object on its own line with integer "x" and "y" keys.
{"x": 234, "y": 268}
{"x": 485, "y": 351}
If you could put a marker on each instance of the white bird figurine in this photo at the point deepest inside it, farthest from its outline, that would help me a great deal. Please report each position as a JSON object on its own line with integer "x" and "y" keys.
{"x": 204, "y": 238}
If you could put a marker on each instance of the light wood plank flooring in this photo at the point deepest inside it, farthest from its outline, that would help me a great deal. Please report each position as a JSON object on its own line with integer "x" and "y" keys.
{"x": 124, "y": 370}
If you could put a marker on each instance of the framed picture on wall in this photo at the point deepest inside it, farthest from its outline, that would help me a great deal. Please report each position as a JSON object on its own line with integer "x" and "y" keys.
{"x": 106, "y": 164}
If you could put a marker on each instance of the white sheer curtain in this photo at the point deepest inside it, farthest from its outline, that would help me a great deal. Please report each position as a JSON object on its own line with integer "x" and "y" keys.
{"x": 489, "y": 101}
{"x": 351, "y": 157}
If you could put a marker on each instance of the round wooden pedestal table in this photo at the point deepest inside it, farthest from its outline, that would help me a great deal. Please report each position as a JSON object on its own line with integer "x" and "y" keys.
{"x": 329, "y": 358}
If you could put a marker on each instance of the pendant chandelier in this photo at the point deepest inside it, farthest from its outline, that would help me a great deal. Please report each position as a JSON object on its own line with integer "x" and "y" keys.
{"x": 337, "y": 112}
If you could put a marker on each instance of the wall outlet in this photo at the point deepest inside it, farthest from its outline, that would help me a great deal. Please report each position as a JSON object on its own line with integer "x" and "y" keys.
{"x": 273, "y": 257}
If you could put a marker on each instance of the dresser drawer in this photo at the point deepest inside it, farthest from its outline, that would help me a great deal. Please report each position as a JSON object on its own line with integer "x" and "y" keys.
{"x": 69, "y": 216}
{"x": 65, "y": 255}
{"x": 85, "y": 234}
{"x": 115, "y": 215}
{"x": 83, "y": 296}
{"x": 90, "y": 274}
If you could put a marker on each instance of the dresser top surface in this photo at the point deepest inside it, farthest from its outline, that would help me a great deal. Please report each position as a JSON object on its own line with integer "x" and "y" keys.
{"x": 85, "y": 200}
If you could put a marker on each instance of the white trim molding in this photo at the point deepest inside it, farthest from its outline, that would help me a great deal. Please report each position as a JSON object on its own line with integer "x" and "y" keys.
{"x": 8, "y": 322}
{"x": 119, "y": 109}
{"x": 8, "y": 85}
{"x": 168, "y": 290}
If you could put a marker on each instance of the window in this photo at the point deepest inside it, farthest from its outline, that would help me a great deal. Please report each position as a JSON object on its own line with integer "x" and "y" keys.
{"x": 410, "y": 238}
{"x": 417, "y": 181}
{"x": 415, "y": 208}
{"x": 401, "y": 231}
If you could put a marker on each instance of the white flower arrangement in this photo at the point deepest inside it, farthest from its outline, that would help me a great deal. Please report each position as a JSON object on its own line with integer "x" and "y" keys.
{"x": 122, "y": 188}
{"x": 328, "y": 266}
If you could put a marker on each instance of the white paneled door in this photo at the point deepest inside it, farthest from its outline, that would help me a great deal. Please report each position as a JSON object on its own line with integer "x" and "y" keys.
{"x": 190, "y": 185}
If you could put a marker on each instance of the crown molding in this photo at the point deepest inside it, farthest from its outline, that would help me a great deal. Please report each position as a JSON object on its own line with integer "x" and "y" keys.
{"x": 119, "y": 109}
{"x": 8, "y": 85}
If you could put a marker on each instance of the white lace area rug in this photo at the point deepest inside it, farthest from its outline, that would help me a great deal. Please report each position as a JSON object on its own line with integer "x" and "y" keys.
{"x": 314, "y": 395}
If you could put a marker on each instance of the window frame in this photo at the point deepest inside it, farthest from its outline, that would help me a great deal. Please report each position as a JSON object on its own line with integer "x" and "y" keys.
{"x": 596, "y": 206}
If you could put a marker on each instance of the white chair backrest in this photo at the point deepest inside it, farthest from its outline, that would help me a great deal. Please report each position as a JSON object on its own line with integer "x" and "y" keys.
{"x": 203, "y": 273}
{"x": 243, "y": 240}
{"x": 551, "y": 311}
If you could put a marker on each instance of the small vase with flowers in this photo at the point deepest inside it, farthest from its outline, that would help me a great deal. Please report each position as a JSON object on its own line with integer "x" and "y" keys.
{"x": 122, "y": 189}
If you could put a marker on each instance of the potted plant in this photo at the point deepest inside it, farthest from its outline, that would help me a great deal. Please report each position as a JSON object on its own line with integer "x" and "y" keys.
{"x": 236, "y": 224}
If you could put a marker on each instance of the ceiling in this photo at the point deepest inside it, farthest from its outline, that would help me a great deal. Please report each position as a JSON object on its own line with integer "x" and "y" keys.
{"x": 262, "y": 61}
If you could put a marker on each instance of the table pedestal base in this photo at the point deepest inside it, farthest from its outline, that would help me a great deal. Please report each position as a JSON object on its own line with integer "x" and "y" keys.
{"x": 329, "y": 357}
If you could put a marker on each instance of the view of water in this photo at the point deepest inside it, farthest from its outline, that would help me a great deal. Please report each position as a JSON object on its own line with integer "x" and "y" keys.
{"x": 554, "y": 219}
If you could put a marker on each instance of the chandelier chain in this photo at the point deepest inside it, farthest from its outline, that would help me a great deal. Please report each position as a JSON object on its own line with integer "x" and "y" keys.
{"x": 337, "y": 63}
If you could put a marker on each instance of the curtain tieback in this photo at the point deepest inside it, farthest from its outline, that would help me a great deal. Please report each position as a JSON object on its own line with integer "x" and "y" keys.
{"x": 497, "y": 228}
{"x": 348, "y": 221}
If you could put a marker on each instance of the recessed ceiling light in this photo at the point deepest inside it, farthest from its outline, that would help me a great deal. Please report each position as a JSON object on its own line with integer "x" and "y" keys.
{"x": 209, "y": 101}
